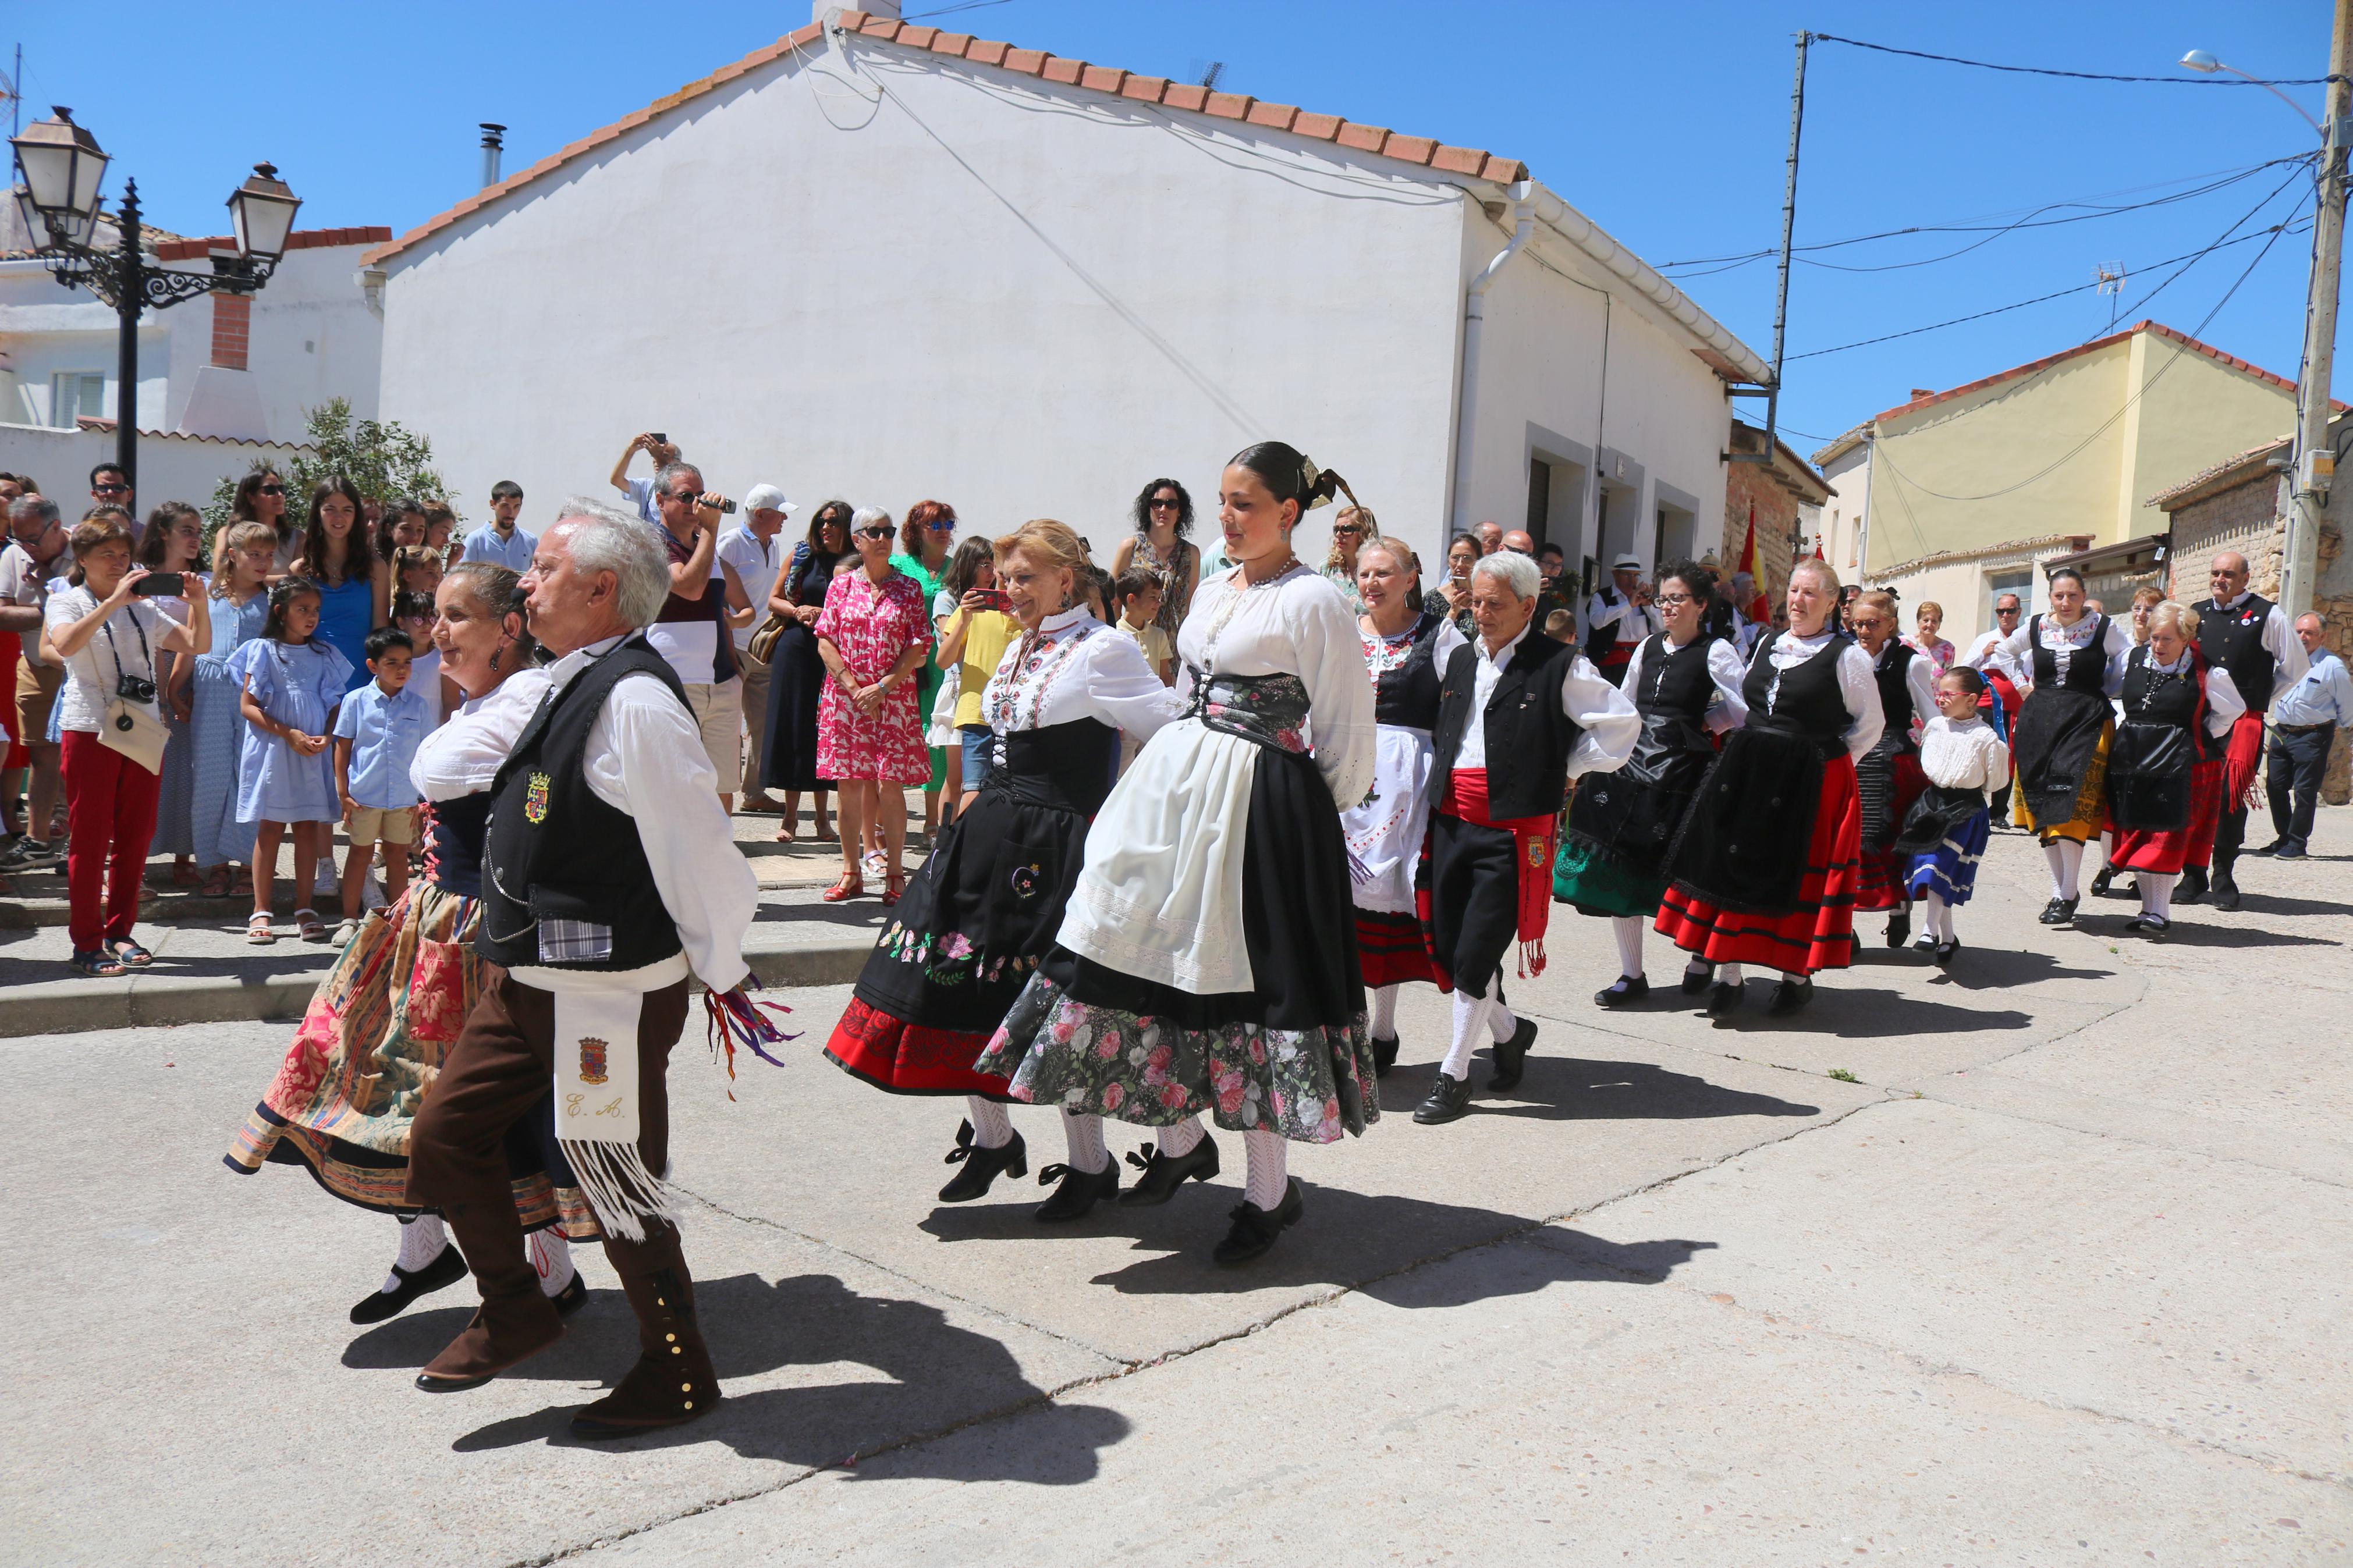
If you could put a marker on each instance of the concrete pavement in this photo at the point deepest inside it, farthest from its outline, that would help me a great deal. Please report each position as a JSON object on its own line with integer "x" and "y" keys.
{"x": 2058, "y": 1277}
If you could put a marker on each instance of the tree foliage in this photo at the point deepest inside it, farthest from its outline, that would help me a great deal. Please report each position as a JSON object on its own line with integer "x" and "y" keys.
{"x": 382, "y": 458}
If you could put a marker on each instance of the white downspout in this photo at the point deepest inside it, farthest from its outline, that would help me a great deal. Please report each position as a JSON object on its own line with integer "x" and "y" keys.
{"x": 1474, "y": 318}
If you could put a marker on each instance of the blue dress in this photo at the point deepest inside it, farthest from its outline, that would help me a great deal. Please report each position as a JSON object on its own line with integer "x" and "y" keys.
{"x": 298, "y": 685}
{"x": 216, "y": 735}
{"x": 345, "y": 616}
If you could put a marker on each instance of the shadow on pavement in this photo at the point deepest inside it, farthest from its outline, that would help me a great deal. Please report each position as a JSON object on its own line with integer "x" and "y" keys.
{"x": 1998, "y": 969}
{"x": 1571, "y": 1089}
{"x": 2189, "y": 930}
{"x": 934, "y": 1376}
{"x": 2274, "y": 904}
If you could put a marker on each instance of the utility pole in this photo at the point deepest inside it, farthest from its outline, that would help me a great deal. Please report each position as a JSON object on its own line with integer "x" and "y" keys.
{"x": 2306, "y": 482}
{"x": 1788, "y": 229}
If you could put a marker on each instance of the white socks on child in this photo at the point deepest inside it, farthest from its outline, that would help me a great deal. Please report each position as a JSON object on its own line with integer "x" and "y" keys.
{"x": 1627, "y": 929}
{"x": 1384, "y": 1024}
{"x": 1084, "y": 1135}
{"x": 1936, "y": 916}
{"x": 2156, "y": 893}
{"x": 1182, "y": 1139}
{"x": 2066, "y": 857}
{"x": 1267, "y": 1169}
{"x": 991, "y": 1127}
{"x": 551, "y": 1256}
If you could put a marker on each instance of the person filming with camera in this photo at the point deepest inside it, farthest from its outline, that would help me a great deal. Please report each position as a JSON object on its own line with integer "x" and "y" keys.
{"x": 106, "y": 630}
{"x": 692, "y": 632}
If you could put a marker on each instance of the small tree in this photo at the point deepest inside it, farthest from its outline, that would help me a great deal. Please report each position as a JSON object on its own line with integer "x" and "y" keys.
{"x": 380, "y": 456}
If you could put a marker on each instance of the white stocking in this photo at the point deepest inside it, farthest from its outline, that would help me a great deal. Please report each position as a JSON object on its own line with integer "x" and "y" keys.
{"x": 550, "y": 1254}
{"x": 1469, "y": 1012}
{"x": 2156, "y": 893}
{"x": 1730, "y": 974}
{"x": 421, "y": 1241}
{"x": 991, "y": 1127}
{"x": 1266, "y": 1160}
{"x": 1500, "y": 1022}
{"x": 1385, "y": 1012}
{"x": 1182, "y": 1139}
{"x": 2066, "y": 858}
{"x": 1084, "y": 1135}
{"x": 1627, "y": 929}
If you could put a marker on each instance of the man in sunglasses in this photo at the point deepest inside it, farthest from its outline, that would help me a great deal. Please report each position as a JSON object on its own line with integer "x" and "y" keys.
{"x": 690, "y": 631}
{"x": 35, "y": 555}
{"x": 110, "y": 486}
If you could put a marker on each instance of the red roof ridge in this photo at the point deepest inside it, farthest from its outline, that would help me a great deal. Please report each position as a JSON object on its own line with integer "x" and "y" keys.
{"x": 1110, "y": 81}
{"x": 300, "y": 239}
{"x": 2047, "y": 361}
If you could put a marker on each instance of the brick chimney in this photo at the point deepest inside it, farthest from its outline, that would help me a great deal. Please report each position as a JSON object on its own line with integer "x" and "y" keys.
{"x": 232, "y": 318}
{"x": 1920, "y": 392}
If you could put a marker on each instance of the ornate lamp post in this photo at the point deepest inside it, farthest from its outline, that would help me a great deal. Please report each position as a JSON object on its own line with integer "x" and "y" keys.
{"x": 61, "y": 168}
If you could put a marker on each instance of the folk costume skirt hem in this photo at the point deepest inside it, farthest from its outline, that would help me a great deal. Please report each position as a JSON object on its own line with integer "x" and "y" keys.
{"x": 1812, "y": 934}
{"x": 1887, "y": 785}
{"x": 2165, "y": 852}
{"x": 1950, "y": 869}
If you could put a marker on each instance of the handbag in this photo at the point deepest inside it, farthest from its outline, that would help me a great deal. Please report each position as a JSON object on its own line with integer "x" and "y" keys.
{"x": 136, "y": 734}
{"x": 764, "y": 638}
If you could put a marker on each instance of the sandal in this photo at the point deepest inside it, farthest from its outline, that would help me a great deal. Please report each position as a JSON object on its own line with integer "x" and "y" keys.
{"x": 184, "y": 873}
{"x": 215, "y": 886}
{"x": 243, "y": 887}
{"x": 97, "y": 966}
{"x": 785, "y": 834}
{"x": 130, "y": 954}
{"x": 893, "y": 885}
{"x": 257, "y": 930}
{"x": 313, "y": 928}
{"x": 849, "y": 885}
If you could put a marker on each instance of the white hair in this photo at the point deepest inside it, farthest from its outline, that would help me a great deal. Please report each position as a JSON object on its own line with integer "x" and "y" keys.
{"x": 1515, "y": 572}
{"x": 606, "y": 540}
{"x": 866, "y": 517}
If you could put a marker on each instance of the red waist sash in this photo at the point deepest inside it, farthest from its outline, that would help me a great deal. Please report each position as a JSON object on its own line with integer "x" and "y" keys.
{"x": 1532, "y": 842}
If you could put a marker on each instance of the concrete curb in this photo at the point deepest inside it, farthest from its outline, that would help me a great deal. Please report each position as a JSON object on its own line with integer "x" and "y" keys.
{"x": 159, "y": 1000}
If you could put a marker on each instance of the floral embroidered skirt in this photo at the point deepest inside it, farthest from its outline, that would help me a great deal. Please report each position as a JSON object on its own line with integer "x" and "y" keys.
{"x": 973, "y": 925}
{"x": 1288, "y": 1056}
{"x": 365, "y": 1055}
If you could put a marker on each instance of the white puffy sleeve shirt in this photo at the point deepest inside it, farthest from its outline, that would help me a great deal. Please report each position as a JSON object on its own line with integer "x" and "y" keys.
{"x": 2069, "y": 643}
{"x": 1605, "y": 713}
{"x": 1858, "y": 688}
{"x": 1077, "y": 668}
{"x": 1297, "y": 624}
{"x": 2224, "y": 701}
{"x": 1728, "y": 709}
{"x": 462, "y": 757}
{"x": 1967, "y": 755}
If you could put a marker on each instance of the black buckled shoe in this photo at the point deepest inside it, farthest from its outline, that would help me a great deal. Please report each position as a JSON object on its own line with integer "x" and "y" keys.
{"x": 1725, "y": 998}
{"x": 2058, "y": 913}
{"x": 1697, "y": 978}
{"x": 2104, "y": 881}
{"x": 1163, "y": 1173}
{"x": 2147, "y": 924}
{"x": 1448, "y": 1099}
{"x": 1255, "y": 1229}
{"x": 1080, "y": 1191}
{"x": 1512, "y": 1056}
{"x": 573, "y": 1297}
{"x": 1623, "y": 992}
{"x": 1385, "y": 1054}
{"x": 2192, "y": 886}
{"x": 448, "y": 1266}
{"x": 1899, "y": 928}
{"x": 981, "y": 1166}
{"x": 1944, "y": 951}
{"x": 1791, "y": 995}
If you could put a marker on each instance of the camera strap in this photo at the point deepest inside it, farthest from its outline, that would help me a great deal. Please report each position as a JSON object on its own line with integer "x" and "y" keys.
{"x": 107, "y": 626}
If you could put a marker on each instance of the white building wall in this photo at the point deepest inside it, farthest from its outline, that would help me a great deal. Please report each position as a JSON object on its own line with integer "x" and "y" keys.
{"x": 1029, "y": 309}
{"x": 171, "y": 468}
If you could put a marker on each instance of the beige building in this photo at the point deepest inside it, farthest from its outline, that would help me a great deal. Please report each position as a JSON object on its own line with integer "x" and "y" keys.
{"x": 1958, "y": 495}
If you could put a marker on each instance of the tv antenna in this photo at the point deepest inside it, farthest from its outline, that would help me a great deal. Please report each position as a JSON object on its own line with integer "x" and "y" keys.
{"x": 2109, "y": 278}
{"x": 1209, "y": 73}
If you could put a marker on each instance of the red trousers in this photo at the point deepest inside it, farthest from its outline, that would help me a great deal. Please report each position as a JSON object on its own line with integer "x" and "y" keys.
{"x": 110, "y": 812}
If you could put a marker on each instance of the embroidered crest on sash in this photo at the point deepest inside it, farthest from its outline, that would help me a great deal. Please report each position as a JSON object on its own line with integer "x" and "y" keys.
{"x": 535, "y": 799}
{"x": 592, "y": 1059}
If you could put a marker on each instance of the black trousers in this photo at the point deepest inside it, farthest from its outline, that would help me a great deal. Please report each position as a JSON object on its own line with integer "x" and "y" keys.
{"x": 2293, "y": 766}
{"x": 1474, "y": 901}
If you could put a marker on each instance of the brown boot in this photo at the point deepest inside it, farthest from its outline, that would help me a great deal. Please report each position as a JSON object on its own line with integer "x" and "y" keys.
{"x": 505, "y": 1329}
{"x": 672, "y": 1382}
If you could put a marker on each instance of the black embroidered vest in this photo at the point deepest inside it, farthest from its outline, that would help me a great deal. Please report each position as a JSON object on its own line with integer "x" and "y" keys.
{"x": 1529, "y": 737}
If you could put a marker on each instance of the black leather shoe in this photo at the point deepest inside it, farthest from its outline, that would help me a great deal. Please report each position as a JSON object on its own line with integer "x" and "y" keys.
{"x": 1789, "y": 996}
{"x": 1385, "y": 1054}
{"x": 573, "y": 1297}
{"x": 1512, "y": 1056}
{"x": 1623, "y": 992}
{"x": 1080, "y": 1191}
{"x": 2104, "y": 881}
{"x": 1944, "y": 951}
{"x": 447, "y": 1268}
{"x": 2192, "y": 886}
{"x": 1698, "y": 977}
{"x": 1448, "y": 1099}
{"x": 1255, "y": 1229}
{"x": 2226, "y": 891}
{"x": 981, "y": 1166}
{"x": 1725, "y": 998}
{"x": 2148, "y": 925}
{"x": 2059, "y": 912}
{"x": 1163, "y": 1173}
{"x": 2274, "y": 848}
{"x": 1899, "y": 928}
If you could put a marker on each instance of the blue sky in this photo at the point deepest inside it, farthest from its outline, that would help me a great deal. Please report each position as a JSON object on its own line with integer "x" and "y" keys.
{"x": 1667, "y": 123}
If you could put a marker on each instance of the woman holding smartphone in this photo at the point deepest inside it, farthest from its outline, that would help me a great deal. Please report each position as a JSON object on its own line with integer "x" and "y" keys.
{"x": 1451, "y": 598}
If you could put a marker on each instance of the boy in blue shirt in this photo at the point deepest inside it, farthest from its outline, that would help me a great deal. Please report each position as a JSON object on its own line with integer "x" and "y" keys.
{"x": 377, "y": 735}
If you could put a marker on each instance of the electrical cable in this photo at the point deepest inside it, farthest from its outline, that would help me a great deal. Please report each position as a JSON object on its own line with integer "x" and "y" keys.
{"x": 2078, "y": 76}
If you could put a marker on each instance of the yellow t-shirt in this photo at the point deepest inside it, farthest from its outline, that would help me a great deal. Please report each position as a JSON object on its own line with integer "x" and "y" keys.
{"x": 1152, "y": 638}
{"x": 985, "y": 642}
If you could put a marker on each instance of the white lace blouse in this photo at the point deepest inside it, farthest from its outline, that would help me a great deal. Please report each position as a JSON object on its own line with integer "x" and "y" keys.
{"x": 2065, "y": 642}
{"x": 1966, "y": 755}
{"x": 1295, "y": 623}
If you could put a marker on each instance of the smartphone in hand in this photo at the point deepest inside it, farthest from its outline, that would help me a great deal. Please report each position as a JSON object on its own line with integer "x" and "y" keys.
{"x": 162, "y": 585}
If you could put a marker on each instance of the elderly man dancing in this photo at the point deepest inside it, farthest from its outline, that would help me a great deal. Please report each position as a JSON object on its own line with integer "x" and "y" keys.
{"x": 609, "y": 872}
{"x": 1519, "y": 716}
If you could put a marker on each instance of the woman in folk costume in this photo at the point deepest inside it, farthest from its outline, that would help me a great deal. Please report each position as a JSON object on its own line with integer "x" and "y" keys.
{"x": 1745, "y": 884}
{"x": 982, "y": 912}
{"x": 1945, "y": 833}
{"x": 371, "y": 1046}
{"x": 2165, "y": 769}
{"x": 1520, "y": 717}
{"x": 2060, "y": 746}
{"x": 1685, "y": 684}
{"x": 1204, "y": 969}
{"x": 1405, "y": 649}
{"x": 1888, "y": 777}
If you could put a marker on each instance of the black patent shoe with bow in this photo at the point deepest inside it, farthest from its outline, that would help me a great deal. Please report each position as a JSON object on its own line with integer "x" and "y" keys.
{"x": 982, "y": 1166}
{"x": 1080, "y": 1191}
{"x": 1255, "y": 1229}
{"x": 1163, "y": 1173}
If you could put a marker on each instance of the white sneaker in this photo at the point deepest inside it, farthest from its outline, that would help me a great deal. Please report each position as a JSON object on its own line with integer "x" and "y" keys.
{"x": 325, "y": 880}
{"x": 372, "y": 894}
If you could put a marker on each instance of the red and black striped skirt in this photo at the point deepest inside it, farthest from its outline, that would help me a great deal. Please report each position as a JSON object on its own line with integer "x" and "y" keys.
{"x": 1813, "y": 933}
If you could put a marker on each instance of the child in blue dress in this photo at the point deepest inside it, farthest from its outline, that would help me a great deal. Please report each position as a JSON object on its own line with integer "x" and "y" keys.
{"x": 292, "y": 684}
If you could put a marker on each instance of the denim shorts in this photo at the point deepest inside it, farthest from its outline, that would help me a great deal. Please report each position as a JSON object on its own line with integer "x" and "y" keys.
{"x": 979, "y": 743}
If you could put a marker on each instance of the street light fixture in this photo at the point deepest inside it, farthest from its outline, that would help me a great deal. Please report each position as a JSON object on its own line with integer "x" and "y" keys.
{"x": 61, "y": 168}
{"x": 2205, "y": 64}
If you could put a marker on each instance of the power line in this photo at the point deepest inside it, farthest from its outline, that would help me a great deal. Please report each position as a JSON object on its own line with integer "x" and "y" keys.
{"x": 2078, "y": 76}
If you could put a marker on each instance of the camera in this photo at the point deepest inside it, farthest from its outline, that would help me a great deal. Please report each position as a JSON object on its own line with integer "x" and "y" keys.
{"x": 713, "y": 499}
{"x": 133, "y": 689}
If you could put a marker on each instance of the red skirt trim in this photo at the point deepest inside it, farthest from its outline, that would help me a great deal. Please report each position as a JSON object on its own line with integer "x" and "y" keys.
{"x": 910, "y": 1058}
{"x": 1815, "y": 935}
{"x": 2165, "y": 854}
{"x": 1392, "y": 950}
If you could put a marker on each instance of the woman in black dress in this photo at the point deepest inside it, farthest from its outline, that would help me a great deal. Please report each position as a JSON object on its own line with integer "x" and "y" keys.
{"x": 799, "y": 675}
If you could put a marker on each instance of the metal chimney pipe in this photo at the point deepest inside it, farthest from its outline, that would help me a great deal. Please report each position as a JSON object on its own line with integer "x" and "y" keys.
{"x": 494, "y": 141}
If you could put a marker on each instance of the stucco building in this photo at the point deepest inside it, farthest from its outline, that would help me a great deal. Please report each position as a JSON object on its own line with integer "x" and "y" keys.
{"x": 1958, "y": 495}
{"x": 889, "y": 261}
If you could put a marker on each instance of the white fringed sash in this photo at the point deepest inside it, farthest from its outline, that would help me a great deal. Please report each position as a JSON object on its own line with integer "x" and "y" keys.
{"x": 596, "y": 1093}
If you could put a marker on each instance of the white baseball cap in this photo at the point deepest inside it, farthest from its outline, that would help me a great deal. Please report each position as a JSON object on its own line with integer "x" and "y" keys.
{"x": 769, "y": 497}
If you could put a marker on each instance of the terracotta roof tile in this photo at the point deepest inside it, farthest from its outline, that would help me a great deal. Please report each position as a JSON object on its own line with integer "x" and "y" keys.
{"x": 1230, "y": 105}
{"x": 1102, "y": 79}
{"x": 1064, "y": 71}
{"x": 1273, "y": 116}
{"x": 1323, "y": 127}
{"x": 1361, "y": 138}
{"x": 1144, "y": 88}
{"x": 1459, "y": 160}
{"x": 987, "y": 51}
{"x": 953, "y": 44}
{"x": 1029, "y": 62}
{"x": 1412, "y": 149}
{"x": 917, "y": 38}
{"x": 1186, "y": 95}
{"x": 300, "y": 239}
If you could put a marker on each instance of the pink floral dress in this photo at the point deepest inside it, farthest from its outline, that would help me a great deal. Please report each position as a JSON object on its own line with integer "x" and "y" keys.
{"x": 872, "y": 626}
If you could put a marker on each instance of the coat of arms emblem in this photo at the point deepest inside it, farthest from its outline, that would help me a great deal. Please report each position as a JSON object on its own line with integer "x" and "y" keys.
{"x": 592, "y": 1059}
{"x": 534, "y": 800}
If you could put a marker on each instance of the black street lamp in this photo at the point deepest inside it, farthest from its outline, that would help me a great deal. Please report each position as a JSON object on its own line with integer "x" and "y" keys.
{"x": 61, "y": 167}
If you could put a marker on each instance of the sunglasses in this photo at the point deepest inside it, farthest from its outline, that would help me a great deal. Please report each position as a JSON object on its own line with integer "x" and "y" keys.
{"x": 1166, "y": 506}
{"x": 273, "y": 489}
{"x": 111, "y": 490}
{"x": 877, "y": 532}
